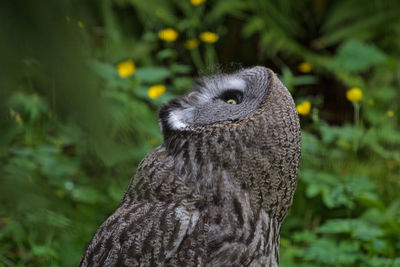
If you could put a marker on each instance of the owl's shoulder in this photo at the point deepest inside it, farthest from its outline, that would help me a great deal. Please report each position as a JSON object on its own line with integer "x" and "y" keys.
{"x": 156, "y": 179}
{"x": 147, "y": 233}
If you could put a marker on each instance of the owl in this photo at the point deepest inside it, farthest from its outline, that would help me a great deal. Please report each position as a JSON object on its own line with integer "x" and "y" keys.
{"x": 216, "y": 192}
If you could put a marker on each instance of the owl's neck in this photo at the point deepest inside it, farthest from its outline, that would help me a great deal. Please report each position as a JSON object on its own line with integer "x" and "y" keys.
{"x": 234, "y": 215}
{"x": 207, "y": 169}
{"x": 233, "y": 212}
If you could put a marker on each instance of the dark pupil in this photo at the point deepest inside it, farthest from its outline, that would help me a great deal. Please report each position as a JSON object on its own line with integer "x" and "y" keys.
{"x": 232, "y": 94}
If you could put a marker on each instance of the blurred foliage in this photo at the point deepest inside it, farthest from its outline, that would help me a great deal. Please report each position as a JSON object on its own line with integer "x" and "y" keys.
{"x": 73, "y": 130}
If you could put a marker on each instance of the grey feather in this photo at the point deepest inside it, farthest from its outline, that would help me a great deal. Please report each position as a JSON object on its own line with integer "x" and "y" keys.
{"x": 218, "y": 189}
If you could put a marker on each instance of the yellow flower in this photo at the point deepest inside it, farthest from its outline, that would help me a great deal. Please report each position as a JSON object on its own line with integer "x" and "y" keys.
{"x": 126, "y": 68}
{"x": 208, "y": 37}
{"x": 156, "y": 91}
{"x": 191, "y": 44}
{"x": 305, "y": 67}
{"x": 354, "y": 94}
{"x": 197, "y": 2}
{"x": 168, "y": 35}
{"x": 390, "y": 113}
{"x": 304, "y": 108}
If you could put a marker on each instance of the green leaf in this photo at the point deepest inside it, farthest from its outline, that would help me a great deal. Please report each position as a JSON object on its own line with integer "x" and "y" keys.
{"x": 337, "y": 226}
{"x": 86, "y": 194}
{"x": 357, "y": 228}
{"x": 304, "y": 236}
{"x": 356, "y": 56}
{"x": 105, "y": 70}
{"x": 370, "y": 199}
{"x": 166, "y": 54}
{"x": 44, "y": 251}
{"x": 327, "y": 251}
{"x": 31, "y": 104}
{"x": 182, "y": 84}
{"x": 181, "y": 69}
{"x": 253, "y": 25}
{"x": 152, "y": 74}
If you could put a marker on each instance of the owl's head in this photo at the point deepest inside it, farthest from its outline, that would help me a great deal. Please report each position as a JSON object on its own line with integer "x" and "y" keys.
{"x": 243, "y": 125}
{"x": 215, "y": 99}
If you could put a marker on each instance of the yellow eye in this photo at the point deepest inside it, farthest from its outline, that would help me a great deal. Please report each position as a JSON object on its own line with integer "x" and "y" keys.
{"x": 231, "y": 101}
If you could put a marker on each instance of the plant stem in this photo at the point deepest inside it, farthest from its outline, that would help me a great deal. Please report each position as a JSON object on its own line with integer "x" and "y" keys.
{"x": 356, "y": 106}
{"x": 210, "y": 58}
{"x": 356, "y": 114}
{"x": 197, "y": 59}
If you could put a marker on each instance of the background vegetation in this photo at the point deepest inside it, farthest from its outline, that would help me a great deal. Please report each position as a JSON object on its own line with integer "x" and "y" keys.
{"x": 75, "y": 122}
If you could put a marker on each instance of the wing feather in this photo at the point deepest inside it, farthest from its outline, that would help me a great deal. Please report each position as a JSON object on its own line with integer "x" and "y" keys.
{"x": 144, "y": 233}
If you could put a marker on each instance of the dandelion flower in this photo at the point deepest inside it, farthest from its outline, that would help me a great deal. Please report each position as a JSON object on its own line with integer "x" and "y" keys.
{"x": 168, "y": 35}
{"x": 305, "y": 67}
{"x": 304, "y": 108}
{"x": 390, "y": 113}
{"x": 197, "y": 2}
{"x": 126, "y": 68}
{"x": 354, "y": 95}
{"x": 208, "y": 37}
{"x": 191, "y": 44}
{"x": 156, "y": 91}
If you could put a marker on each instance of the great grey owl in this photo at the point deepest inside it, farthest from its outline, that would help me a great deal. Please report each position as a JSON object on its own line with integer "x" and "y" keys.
{"x": 216, "y": 191}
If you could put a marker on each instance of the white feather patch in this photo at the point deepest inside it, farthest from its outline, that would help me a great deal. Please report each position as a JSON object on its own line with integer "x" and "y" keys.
{"x": 184, "y": 220}
{"x": 235, "y": 83}
{"x": 175, "y": 120}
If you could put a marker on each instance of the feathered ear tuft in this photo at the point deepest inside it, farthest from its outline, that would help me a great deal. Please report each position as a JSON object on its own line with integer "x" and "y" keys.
{"x": 164, "y": 113}
{"x": 174, "y": 115}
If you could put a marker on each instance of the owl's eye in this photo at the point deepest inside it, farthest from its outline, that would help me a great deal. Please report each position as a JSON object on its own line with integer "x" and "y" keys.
{"x": 232, "y": 97}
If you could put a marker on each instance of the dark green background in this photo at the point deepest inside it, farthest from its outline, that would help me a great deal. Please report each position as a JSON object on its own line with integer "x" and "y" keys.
{"x": 72, "y": 131}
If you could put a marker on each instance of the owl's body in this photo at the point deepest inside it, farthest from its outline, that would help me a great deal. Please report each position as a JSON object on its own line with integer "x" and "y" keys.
{"x": 216, "y": 192}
